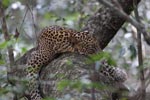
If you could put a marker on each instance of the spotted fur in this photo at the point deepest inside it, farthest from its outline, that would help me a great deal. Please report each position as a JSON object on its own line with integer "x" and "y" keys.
{"x": 51, "y": 41}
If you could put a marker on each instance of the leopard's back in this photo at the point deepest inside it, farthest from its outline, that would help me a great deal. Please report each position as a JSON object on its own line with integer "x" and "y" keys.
{"x": 62, "y": 39}
{"x": 59, "y": 39}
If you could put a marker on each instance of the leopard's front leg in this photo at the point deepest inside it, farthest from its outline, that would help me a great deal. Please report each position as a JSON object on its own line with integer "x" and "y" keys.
{"x": 34, "y": 63}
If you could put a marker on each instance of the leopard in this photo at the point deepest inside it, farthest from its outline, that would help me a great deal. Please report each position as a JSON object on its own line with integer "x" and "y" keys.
{"x": 53, "y": 40}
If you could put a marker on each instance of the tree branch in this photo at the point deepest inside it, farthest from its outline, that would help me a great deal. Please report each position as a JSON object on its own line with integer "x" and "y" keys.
{"x": 105, "y": 23}
{"x": 122, "y": 14}
{"x": 6, "y": 35}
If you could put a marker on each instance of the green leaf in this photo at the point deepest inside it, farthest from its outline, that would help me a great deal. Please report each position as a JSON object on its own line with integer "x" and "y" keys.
{"x": 98, "y": 85}
{"x": 24, "y": 49}
{"x": 69, "y": 62}
{"x": 6, "y": 3}
{"x": 74, "y": 16}
{"x": 133, "y": 51}
{"x": 2, "y": 62}
{"x": 111, "y": 61}
{"x": 100, "y": 56}
{"x": 62, "y": 84}
{"x": 76, "y": 85}
{"x": 4, "y": 44}
{"x": 49, "y": 16}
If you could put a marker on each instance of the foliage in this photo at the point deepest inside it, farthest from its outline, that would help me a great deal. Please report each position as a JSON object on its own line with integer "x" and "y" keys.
{"x": 101, "y": 56}
{"x": 31, "y": 16}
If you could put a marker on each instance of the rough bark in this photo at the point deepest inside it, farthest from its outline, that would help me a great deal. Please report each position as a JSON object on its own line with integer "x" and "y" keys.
{"x": 73, "y": 68}
{"x": 104, "y": 24}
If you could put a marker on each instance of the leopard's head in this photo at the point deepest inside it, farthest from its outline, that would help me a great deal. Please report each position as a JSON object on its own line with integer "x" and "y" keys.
{"x": 88, "y": 44}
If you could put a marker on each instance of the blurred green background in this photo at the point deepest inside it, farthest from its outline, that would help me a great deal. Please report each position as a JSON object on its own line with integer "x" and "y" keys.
{"x": 30, "y": 16}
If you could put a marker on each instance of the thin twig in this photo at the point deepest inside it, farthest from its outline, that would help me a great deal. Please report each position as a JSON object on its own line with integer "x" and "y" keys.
{"x": 140, "y": 56}
{"x": 23, "y": 19}
{"x": 31, "y": 11}
{"x": 23, "y": 23}
{"x": 6, "y": 35}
